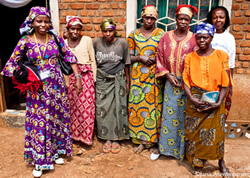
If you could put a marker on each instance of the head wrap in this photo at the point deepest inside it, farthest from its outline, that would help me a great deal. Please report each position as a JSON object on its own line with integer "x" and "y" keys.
{"x": 109, "y": 24}
{"x": 187, "y": 10}
{"x": 27, "y": 28}
{"x": 70, "y": 21}
{"x": 204, "y": 28}
{"x": 149, "y": 11}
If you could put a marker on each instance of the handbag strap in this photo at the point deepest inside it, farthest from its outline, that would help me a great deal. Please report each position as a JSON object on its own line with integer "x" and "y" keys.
{"x": 59, "y": 46}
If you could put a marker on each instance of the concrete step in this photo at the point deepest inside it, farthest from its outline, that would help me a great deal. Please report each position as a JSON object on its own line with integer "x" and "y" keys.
{"x": 13, "y": 118}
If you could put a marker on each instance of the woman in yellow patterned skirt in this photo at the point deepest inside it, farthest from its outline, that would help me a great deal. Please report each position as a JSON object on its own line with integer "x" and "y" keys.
{"x": 145, "y": 98}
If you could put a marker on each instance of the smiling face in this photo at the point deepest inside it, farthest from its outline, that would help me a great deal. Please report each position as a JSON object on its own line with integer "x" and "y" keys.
{"x": 108, "y": 35}
{"x": 148, "y": 22}
{"x": 182, "y": 22}
{"x": 41, "y": 24}
{"x": 203, "y": 41}
{"x": 75, "y": 31}
{"x": 219, "y": 20}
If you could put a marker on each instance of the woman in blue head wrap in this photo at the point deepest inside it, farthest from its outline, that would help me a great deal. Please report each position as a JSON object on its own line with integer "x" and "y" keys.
{"x": 206, "y": 83}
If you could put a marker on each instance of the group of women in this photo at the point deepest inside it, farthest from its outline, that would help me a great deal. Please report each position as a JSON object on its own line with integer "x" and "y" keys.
{"x": 147, "y": 88}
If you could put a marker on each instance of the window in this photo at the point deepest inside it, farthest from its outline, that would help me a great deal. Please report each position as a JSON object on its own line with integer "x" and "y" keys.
{"x": 167, "y": 9}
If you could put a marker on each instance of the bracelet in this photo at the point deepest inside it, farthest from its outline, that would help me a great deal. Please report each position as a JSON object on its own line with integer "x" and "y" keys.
{"x": 77, "y": 75}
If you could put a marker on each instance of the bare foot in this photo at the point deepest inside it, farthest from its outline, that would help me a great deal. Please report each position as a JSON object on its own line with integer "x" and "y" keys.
{"x": 139, "y": 149}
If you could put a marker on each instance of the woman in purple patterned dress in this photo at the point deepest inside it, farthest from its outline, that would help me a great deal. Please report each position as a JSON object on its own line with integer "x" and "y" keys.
{"x": 47, "y": 122}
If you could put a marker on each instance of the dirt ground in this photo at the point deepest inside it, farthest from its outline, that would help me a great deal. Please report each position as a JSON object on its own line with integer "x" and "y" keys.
{"x": 93, "y": 163}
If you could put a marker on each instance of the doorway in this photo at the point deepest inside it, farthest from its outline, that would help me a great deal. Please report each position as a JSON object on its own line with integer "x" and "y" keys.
{"x": 11, "y": 20}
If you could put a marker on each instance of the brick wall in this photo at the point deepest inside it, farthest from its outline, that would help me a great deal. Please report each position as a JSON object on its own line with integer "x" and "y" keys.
{"x": 240, "y": 28}
{"x": 92, "y": 12}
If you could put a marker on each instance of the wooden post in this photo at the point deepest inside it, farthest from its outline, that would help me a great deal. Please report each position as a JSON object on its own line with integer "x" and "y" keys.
{"x": 2, "y": 96}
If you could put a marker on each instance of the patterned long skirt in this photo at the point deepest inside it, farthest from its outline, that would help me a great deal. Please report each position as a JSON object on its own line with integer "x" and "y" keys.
{"x": 47, "y": 123}
{"x": 172, "y": 137}
{"x": 145, "y": 104}
{"x": 204, "y": 132}
{"x": 111, "y": 106}
{"x": 82, "y": 107}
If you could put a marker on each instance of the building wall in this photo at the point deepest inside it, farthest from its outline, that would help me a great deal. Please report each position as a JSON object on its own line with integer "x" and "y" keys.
{"x": 92, "y": 12}
{"x": 240, "y": 28}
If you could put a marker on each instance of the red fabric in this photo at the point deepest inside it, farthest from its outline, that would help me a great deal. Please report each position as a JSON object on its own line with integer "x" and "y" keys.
{"x": 194, "y": 9}
{"x": 75, "y": 19}
{"x": 33, "y": 83}
{"x": 82, "y": 107}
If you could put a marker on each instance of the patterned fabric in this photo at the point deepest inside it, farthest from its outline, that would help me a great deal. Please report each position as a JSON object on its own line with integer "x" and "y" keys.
{"x": 82, "y": 106}
{"x": 172, "y": 136}
{"x": 27, "y": 27}
{"x": 145, "y": 97}
{"x": 228, "y": 102}
{"x": 111, "y": 106}
{"x": 149, "y": 11}
{"x": 204, "y": 28}
{"x": 205, "y": 132}
{"x": 47, "y": 123}
{"x": 171, "y": 53}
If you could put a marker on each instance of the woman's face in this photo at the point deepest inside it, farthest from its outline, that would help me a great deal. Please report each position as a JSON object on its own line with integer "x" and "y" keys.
{"x": 203, "y": 41}
{"x": 182, "y": 22}
{"x": 41, "y": 24}
{"x": 148, "y": 22}
{"x": 219, "y": 19}
{"x": 108, "y": 34}
{"x": 75, "y": 31}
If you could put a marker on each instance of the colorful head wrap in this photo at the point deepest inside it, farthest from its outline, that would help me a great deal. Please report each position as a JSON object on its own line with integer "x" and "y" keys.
{"x": 27, "y": 28}
{"x": 204, "y": 28}
{"x": 109, "y": 24}
{"x": 149, "y": 11}
{"x": 70, "y": 21}
{"x": 73, "y": 20}
{"x": 187, "y": 10}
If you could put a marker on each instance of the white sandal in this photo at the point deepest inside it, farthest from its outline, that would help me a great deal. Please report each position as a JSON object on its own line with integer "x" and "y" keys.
{"x": 59, "y": 161}
{"x": 154, "y": 156}
{"x": 37, "y": 173}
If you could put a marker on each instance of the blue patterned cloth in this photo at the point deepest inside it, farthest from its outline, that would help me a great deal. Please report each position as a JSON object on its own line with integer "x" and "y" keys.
{"x": 172, "y": 136}
{"x": 204, "y": 28}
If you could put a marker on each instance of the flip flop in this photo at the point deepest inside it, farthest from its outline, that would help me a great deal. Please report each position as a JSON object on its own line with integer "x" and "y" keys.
{"x": 116, "y": 148}
{"x": 106, "y": 148}
{"x": 154, "y": 156}
{"x": 226, "y": 173}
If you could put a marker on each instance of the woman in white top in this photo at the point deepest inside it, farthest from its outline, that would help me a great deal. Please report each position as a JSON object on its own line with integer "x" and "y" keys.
{"x": 223, "y": 40}
{"x": 82, "y": 106}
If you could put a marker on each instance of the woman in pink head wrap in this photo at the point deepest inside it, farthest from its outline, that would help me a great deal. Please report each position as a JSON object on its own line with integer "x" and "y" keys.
{"x": 82, "y": 106}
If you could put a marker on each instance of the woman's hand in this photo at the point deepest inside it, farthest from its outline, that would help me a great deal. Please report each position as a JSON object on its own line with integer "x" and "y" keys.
{"x": 211, "y": 106}
{"x": 127, "y": 88}
{"x": 173, "y": 80}
{"x": 198, "y": 104}
{"x": 78, "y": 85}
{"x": 147, "y": 60}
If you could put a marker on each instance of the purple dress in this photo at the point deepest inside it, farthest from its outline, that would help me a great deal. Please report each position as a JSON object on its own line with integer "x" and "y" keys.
{"x": 47, "y": 122}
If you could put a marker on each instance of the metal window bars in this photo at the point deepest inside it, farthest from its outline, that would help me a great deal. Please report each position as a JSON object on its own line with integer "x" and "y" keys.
{"x": 168, "y": 21}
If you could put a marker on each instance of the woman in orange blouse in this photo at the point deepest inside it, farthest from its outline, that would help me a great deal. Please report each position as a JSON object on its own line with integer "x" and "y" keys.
{"x": 205, "y": 70}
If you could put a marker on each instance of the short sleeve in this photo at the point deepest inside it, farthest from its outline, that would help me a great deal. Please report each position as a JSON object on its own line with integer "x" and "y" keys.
{"x": 68, "y": 55}
{"x": 131, "y": 44}
{"x": 126, "y": 55}
{"x": 17, "y": 55}
{"x": 232, "y": 54}
{"x": 225, "y": 58}
{"x": 186, "y": 71}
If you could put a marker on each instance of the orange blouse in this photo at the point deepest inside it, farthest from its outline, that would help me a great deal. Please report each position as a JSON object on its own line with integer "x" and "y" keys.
{"x": 206, "y": 72}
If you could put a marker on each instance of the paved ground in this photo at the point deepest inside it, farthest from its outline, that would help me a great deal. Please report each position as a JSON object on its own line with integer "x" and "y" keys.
{"x": 93, "y": 163}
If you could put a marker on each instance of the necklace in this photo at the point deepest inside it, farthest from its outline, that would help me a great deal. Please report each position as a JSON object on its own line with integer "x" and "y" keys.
{"x": 45, "y": 46}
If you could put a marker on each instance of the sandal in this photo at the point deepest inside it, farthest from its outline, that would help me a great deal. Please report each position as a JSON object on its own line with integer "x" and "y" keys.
{"x": 37, "y": 173}
{"x": 106, "y": 148}
{"x": 226, "y": 173}
{"x": 116, "y": 148}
